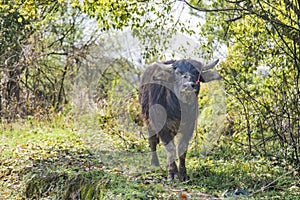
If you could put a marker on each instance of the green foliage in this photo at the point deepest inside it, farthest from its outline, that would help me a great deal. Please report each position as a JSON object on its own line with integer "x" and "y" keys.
{"x": 152, "y": 22}
{"x": 14, "y": 28}
{"x": 120, "y": 115}
{"x": 110, "y": 14}
{"x": 262, "y": 107}
{"x": 256, "y": 177}
{"x": 48, "y": 46}
{"x": 211, "y": 117}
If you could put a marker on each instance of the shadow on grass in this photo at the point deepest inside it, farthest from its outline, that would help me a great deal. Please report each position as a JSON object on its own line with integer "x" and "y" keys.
{"x": 85, "y": 175}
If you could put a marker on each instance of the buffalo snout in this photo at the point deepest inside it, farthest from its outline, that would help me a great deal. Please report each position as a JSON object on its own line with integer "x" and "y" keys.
{"x": 190, "y": 86}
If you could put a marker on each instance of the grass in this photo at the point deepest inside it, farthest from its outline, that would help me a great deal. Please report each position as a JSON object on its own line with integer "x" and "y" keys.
{"x": 66, "y": 159}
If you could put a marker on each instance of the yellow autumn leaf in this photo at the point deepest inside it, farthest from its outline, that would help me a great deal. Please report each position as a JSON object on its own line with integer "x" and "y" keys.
{"x": 20, "y": 19}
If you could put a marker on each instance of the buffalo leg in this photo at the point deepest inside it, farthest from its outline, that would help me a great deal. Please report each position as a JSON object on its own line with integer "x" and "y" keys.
{"x": 171, "y": 159}
{"x": 181, "y": 168}
{"x": 167, "y": 138}
{"x": 153, "y": 141}
{"x": 182, "y": 150}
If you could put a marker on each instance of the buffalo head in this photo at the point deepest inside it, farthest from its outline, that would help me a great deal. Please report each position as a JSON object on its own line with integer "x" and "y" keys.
{"x": 186, "y": 76}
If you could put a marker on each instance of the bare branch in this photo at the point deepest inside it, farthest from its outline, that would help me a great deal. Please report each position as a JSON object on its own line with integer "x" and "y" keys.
{"x": 240, "y": 1}
{"x": 234, "y": 19}
{"x": 212, "y": 10}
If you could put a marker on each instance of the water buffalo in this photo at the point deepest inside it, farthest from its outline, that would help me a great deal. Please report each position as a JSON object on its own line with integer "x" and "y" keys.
{"x": 168, "y": 98}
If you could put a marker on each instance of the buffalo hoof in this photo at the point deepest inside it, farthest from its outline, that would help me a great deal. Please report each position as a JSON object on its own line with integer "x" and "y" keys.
{"x": 182, "y": 174}
{"x": 176, "y": 177}
{"x": 182, "y": 177}
{"x": 172, "y": 176}
{"x": 154, "y": 159}
{"x": 155, "y": 164}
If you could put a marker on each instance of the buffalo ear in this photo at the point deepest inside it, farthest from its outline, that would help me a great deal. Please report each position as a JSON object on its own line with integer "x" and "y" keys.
{"x": 165, "y": 73}
{"x": 208, "y": 76}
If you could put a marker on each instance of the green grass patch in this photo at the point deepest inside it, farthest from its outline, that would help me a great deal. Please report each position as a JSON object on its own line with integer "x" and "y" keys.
{"x": 58, "y": 160}
{"x": 244, "y": 176}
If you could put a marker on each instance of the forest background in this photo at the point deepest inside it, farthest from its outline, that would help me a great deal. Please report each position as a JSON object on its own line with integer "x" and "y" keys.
{"x": 69, "y": 75}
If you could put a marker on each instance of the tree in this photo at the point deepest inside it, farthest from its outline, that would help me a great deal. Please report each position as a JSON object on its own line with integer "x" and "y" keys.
{"x": 259, "y": 34}
{"x": 42, "y": 44}
{"x": 14, "y": 28}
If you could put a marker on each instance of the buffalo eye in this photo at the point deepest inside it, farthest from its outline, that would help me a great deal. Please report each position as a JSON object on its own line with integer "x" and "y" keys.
{"x": 186, "y": 75}
{"x": 178, "y": 73}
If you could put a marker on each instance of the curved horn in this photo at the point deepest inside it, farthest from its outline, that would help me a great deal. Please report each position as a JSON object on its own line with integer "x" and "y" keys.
{"x": 210, "y": 65}
{"x": 168, "y": 62}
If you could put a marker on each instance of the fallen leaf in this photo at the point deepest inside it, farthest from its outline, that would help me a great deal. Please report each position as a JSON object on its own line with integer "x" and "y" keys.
{"x": 183, "y": 195}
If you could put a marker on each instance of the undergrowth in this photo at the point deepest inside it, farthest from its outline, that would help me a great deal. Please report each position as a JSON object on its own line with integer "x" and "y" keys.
{"x": 64, "y": 158}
